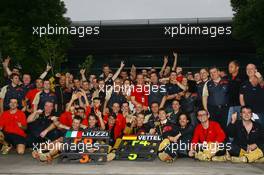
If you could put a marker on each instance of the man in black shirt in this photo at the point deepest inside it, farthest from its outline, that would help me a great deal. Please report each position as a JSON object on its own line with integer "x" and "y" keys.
{"x": 173, "y": 90}
{"x": 153, "y": 117}
{"x": 117, "y": 95}
{"x": 235, "y": 80}
{"x": 43, "y": 96}
{"x": 176, "y": 112}
{"x": 12, "y": 90}
{"x": 216, "y": 97}
{"x": 252, "y": 92}
{"x": 63, "y": 93}
{"x": 41, "y": 127}
{"x": 248, "y": 143}
{"x": 157, "y": 91}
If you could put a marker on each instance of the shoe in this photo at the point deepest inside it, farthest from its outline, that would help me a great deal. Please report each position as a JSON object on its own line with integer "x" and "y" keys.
{"x": 242, "y": 159}
{"x": 164, "y": 144}
{"x": 254, "y": 155}
{"x": 228, "y": 157}
{"x": 35, "y": 154}
{"x": 45, "y": 157}
{"x": 261, "y": 160}
{"x": 110, "y": 156}
{"x": 219, "y": 158}
{"x": 5, "y": 149}
{"x": 165, "y": 157}
{"x": 202, "y": 157}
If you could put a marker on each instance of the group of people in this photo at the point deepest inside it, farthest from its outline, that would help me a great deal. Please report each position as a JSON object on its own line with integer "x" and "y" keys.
{"x": 217, "y": 116}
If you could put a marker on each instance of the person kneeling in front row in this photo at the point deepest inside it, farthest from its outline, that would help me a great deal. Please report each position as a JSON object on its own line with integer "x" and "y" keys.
{"x": 208, "y": 139}
{"x": 248, "y": 143}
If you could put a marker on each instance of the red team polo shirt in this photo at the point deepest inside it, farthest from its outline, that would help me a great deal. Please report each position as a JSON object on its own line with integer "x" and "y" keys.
{"x": 214, "y": 133}
{"x": 66, "y": 119}
{"x": 9, "y": 122}
{"x": 119, "y": 125}
{"x": 31, "y": 95}
{"x": 141, "y": 94}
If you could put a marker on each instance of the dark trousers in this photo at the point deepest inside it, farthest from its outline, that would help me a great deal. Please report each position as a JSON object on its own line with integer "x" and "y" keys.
{"x": 219, "y": 114}
{"x": 33, "y": 140}
{"x": 174, "y": 150}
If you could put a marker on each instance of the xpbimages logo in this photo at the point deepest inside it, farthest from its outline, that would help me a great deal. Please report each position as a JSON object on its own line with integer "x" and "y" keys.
{"x": 81, "y": 31}
{"x": 212, "y": 31}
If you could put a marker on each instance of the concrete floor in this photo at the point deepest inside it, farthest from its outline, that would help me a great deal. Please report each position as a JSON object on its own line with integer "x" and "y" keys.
{"x": 14, "y": 164}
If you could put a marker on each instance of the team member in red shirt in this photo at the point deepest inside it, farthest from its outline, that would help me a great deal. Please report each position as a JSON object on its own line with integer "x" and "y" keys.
{"x": 208, "y": 139}
{"x": 13, "y": 123}
{"x": 66, "y": 118}
{"x": 140, "y": 92}
{"x": 32, "y": 93}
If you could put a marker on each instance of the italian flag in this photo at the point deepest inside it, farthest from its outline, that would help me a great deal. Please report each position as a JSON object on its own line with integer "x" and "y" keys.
{"x": 74, "y": 134}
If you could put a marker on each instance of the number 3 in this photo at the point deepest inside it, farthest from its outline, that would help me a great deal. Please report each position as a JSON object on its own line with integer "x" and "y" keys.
{"x": 132, "y": 157}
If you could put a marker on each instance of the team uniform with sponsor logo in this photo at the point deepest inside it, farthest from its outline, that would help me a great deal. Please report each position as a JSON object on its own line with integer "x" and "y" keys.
{"x": 171, "y": 89}
{"x": 9, "y": 92}
{"x": 254, "y": 97}
{"x": 180, "y": 148}
{"x": 39, "y": 125}
{"x": 140, "y": 92}
{"x": 42, "y": 97}
{"x": 204, "y": 140}
{"x": 13, "y": 134}
{"x": 218, "y": 100}
{"x": 242, "y": 139}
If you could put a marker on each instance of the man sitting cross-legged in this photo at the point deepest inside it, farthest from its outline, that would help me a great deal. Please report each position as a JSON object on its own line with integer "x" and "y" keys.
{"x": 208, "y": 139}
{"x": 47, "y": 152}
{"x": 178, "y": 144}
{"x": 248, "y": 143}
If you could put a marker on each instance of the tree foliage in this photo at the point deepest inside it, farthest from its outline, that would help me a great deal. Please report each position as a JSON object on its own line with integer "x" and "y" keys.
{"x": 87, "y": 64}
{"x": 249, "y": 22}
{"x": 17, "y": 19}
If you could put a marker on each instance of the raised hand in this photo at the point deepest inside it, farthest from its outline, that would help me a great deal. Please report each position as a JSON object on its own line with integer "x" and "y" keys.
{"x": 175, "y": 54}
{"x": 6, "y": 61}
{"x": 48, "y": 67}
{"x": 75, "y": 96}
{"x": 39, "y": 111}
{"x": 54, "y": 118}
{"x": 122, "y": 64}
{"x": 133, "y": 67}
{"x": 67, "y": 75}
{"x": 258, "y": 75}
{"x": 234, "y": 117}
{"x": 98, "y": 114}
{"x": 58, "y": 75}
{"x": 166, "y": 59}
{"x": 82, "y": 71}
